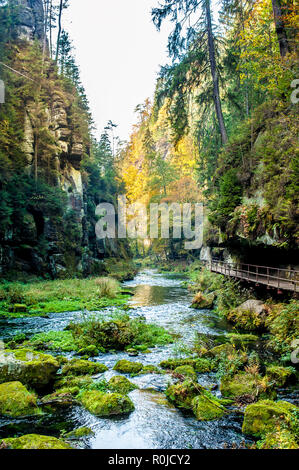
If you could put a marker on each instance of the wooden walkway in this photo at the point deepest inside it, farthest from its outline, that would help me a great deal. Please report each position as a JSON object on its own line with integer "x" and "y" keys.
{"x": 283, "y": 279}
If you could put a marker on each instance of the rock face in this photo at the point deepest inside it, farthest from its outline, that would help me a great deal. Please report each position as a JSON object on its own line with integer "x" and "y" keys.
{"x": 31, "y": 19}
{"x": 57, "y": 237}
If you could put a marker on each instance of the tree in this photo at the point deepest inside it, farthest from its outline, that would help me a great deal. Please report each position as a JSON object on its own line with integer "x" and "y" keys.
{"x": 280, "y": 27}
{"x": 62, "y": 6}
{"x": 180, "y": 12}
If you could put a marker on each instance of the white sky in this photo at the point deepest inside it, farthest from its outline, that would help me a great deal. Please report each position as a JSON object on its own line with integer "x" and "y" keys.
{"x": 119, "y": 52}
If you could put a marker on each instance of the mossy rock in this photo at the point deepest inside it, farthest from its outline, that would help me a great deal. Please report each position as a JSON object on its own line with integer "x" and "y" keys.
{"x": 62, "y": 398}
{"x": 250, "y": 316}
{"x": 279, "y": 439}
{"x": 186, "y": 371}
{"x": 70, "y": 382}
{"x": 183, "y": 394}
{"x": 120, "y": 384}
{"x": 207, "y": 408}
{"x": 128, "y": 367}
{"x": 202, "y": 301}
{"x": 265, "y": 415}
{"x": 31, "y": 368}
{"x": 35, "y": 442}
{"x": 89, "y": 351}
{"x": 106, "y": 404}
{"x": 81, "y": 367}
{"x": 243, "y": 384}
{"x": 279, "y": 375}
{"x": 16, "y": 400}
{"x": 79, "y": 433}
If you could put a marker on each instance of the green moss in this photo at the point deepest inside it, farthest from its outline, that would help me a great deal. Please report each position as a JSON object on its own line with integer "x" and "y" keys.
{"x": 19, "y": 308}
{"x": 128, "y": 367}
{"x": 120, "y": 384}
{"x": 54, "y": 341}
{"x": 279, "y": 375}
{"x": 73, "y": 382}
{"x": 15, "y": 400}
{"x": 79, "y": 433}
{"x": 29, "y": 367}
{"x": 186, "y": 371}
{"x": 200, "y": 365}
{"x": 206, "y": 407}
{"x": 241, "y": 341}
{"x": 264, "y": 416}
{"x": 81, "y": 367}
{"x": 223, "y": 349}
{"x": 90, "y": 351}
{"x": 183, "y": 394}
{"x": 104, "y": 404}
{"x": 35, "y": 442}
{"x": 243, "y": 384}
{"x": 68, "y": 295}
{"x": 278, "y": 439}
{"x": 150, "y": 369}
{"x": 247, "y": 320}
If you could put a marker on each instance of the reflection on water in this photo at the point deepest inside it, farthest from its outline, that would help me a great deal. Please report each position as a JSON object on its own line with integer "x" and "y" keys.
{"x": 160, "y": 299}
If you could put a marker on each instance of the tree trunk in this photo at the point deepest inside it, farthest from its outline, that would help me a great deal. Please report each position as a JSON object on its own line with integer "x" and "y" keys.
{"x": 212, "y": 58}
{"x": 280, "y": 28}
{"x": 59, "y": 30}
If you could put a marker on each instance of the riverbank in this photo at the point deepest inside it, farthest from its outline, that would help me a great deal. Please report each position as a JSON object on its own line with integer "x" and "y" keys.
{"x": 39, "y": 297}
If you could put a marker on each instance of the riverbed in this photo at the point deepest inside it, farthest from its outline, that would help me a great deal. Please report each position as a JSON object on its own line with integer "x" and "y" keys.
{"x": 162, "y": 299}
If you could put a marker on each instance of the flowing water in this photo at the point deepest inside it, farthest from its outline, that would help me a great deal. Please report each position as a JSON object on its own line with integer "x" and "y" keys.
{"x": 161, "y": 299}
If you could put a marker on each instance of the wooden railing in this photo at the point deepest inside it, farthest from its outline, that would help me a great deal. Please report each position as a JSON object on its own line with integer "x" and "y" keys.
{"x": 286, "y": 279}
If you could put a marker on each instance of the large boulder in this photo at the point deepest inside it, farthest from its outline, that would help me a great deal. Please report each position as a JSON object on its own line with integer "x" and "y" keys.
{"x": 202, "y": 301}
{"x": 249, "y": 316}
{"x": 16, "y": 401}
{"x": 266, "y": 415}
{"x": 106, "y": 404}
{"x": 34, "y": 442}
{"x": 31, "y": 368}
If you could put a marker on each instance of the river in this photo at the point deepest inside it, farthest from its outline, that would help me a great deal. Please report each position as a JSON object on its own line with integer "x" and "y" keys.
{"x": 162, "y": 299}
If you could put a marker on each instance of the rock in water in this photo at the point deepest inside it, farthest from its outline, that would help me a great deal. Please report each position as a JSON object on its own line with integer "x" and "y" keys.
{"x": 28, "y": 367}
{"x": 264, "y": 416}
{"x": 16, "y": 401}
{"x": 106, "y": 404}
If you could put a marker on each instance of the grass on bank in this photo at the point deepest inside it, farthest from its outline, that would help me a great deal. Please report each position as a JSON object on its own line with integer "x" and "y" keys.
{"x": 59, "y": 296}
